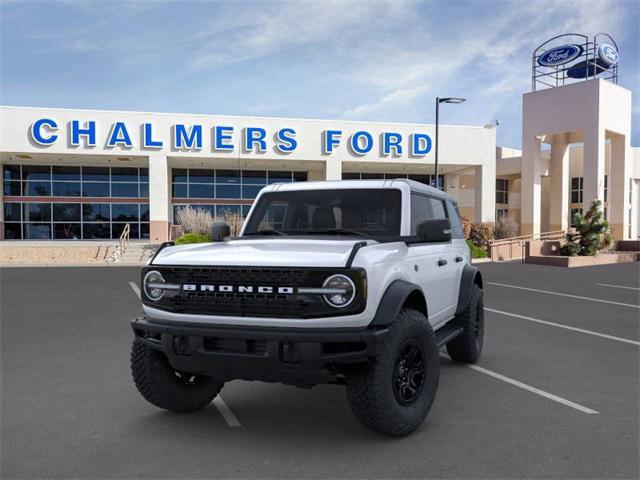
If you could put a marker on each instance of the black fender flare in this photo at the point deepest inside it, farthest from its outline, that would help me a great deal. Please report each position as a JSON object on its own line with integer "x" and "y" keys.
{"x": 392, "y": 301}
{"x": 470, "y": 275}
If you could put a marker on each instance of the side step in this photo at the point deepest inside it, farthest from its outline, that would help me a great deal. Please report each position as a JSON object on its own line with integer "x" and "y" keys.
{"x": 447, "y": 333}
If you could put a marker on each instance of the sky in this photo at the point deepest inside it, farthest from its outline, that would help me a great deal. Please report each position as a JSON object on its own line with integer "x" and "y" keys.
{"x": 344, "y": 60}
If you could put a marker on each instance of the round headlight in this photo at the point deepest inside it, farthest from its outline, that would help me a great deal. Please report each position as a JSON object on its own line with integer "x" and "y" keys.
{"x": 152, "y": 285}
{"x": 343, "y": 291}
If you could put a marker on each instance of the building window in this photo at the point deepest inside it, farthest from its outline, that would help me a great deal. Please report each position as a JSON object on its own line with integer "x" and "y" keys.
{"x": 573, "y": 212}
{"x": 426, "y": 179}
{"x": 606, "y": 187}
{"x": 65, "y": 214}
{"x": 576, "y": 190}
{"x": 228, "y": 186}
{"x": 502, "y": 190}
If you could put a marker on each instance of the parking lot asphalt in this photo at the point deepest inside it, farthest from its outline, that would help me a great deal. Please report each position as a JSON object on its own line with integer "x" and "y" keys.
{"x": 555, "y": 394}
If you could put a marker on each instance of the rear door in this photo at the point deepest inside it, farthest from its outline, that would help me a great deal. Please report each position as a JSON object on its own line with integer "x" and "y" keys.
{"x": 433, "y": 263}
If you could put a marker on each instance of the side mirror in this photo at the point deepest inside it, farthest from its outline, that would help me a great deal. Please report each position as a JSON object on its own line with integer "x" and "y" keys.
{"x": 219, "y": 231}
{"x": 438, "y": 230}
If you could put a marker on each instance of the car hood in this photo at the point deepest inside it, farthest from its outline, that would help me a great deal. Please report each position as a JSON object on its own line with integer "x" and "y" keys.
{"x": 270, "y": 252}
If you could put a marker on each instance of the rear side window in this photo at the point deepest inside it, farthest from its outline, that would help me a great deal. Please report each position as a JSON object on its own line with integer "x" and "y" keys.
{"x": 438, "y": 209}
{"x": 454, "y": 217}
{"x": 420, "y": 211}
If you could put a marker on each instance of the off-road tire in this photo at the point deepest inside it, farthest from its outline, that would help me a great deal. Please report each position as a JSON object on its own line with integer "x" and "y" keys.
{"x": 160, "y": 384}
{"x": 371, "y": 389}
{"x": 467, "y": 346}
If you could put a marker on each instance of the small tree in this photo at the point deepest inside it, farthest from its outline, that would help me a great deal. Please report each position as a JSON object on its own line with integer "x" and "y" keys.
{"x": 505, "y": 227}
{"x": 591, "y": 235}
{"x": 482, "y": 233}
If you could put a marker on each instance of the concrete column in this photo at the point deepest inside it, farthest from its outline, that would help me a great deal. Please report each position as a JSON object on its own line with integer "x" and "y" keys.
{"x": 485, "y": 192}
{"x": 618, "y": 191}
{"x": 531, "y": 186}
{"x": 593, "y": 167}
{"x": 159, "y": 197}
{"x": 559, "y": 196}
{"x": 333, "y": 169}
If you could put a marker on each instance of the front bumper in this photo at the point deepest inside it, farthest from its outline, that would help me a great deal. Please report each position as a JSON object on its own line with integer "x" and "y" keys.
{"x": 301, "y": 357}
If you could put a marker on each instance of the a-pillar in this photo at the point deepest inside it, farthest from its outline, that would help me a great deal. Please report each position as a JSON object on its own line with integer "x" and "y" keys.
{"x": 593, "y": 167}
{"x": 333, "y": 169}
{"x": 485, "y": 192}
{"x": 618, "y": 188}
{"x": 159, "y": 198}
{"x": 531, "y": 186}
{"x": 559, "y": 206}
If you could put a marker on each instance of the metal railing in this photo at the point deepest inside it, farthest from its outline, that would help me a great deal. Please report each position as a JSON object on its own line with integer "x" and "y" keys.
{"x": 514, "y": 247}
{"x": 123, "y": 244}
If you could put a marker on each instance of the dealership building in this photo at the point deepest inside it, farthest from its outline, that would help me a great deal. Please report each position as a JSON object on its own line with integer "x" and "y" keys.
{"x": 86, "y": 174}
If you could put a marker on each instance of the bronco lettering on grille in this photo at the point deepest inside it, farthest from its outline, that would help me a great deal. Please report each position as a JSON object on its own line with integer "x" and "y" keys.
{"x": 192, "y": 287}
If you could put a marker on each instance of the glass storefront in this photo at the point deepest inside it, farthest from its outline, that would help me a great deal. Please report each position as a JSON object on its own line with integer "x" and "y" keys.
{"x": 221, "y": 190}
{"x": 426, "y": 179}
{"x": 63, "y": 213}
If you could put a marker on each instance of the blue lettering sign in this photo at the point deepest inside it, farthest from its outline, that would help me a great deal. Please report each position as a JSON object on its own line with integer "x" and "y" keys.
{"x": 330, "y": 140}
{"x": 119, "y": 136}
{"x": 186, "y": 139}
{"x": 420, "y": 144}
{"x": 222, "y": 137}
{"x": 89, "y": 131}
{"x": 357, "y": 146}
{"x": 608, "y": 54}
{"x": 147, "y": 137}
{"x": 37, "y": 134}
{"x": 391, "y": 140}
{"x": 286, "y": 140}
{"x": 253, "y": 136}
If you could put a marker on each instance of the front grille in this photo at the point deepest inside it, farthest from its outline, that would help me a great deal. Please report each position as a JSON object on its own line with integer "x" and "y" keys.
{"x": 255, "y": 304}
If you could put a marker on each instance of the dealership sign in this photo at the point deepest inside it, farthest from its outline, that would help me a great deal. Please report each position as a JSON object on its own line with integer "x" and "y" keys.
{"x": 608, "y": 54}
{"x": 224, "y": 138}
{"x": 560, "y": 55}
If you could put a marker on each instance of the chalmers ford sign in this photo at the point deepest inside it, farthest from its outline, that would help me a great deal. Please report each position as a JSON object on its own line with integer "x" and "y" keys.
{"x": 45, "y": 132}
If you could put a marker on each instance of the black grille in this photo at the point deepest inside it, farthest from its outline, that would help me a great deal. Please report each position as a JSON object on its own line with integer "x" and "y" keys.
{"x": 253, "y": 304}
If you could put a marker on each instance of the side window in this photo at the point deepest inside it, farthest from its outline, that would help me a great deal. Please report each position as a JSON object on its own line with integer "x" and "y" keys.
{"x": 420, "y": 211}
{"x": 456, "y": 223}
{"x": 438, "y": 209}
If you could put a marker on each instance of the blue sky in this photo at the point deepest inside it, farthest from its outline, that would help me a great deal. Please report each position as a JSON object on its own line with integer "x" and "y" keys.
{"x": 350, "y": 60}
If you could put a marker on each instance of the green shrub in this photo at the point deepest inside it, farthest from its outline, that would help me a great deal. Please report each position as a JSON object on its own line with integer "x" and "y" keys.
{"x": 591, "y": 235}
{"x": 193, "y": 238}
{"x": 476, "y": 251}
{"x": 466, "y": 227}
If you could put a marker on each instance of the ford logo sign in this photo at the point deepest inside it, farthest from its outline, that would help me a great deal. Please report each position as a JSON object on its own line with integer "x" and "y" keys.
{"x": 608, "y": 54}
{"x": 560, "y": 55}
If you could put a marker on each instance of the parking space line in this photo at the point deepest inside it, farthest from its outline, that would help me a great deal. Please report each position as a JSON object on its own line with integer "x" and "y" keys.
{"x": 135, "y": 288}
{"x": 529, "y": 388}
{"x": 226, "y": 412}
{"x": 617, "y": 286}
{"x": 611, "y": 302}
{"x": 566, "y": 327}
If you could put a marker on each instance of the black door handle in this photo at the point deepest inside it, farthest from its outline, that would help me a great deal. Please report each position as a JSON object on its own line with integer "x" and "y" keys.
{"x": 442, "y": 262}
{"x": 459, "y": 259}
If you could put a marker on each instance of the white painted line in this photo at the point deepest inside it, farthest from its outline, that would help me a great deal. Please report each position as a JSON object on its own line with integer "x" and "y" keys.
{"x": 565, "y": 295}
{"x": 135, "y": 288}
{"x": 226, "y": 413}
{"x": 566, "y": 327}
{"x": 617, "y": 286}
{"x": 529, "y": 388}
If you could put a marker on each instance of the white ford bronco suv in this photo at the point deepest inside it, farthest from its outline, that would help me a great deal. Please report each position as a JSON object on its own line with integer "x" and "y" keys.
{"x": 356, "y": 282}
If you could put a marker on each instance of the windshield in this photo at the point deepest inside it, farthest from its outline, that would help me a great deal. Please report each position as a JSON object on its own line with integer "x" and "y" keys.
{"x": 359, "y": 212}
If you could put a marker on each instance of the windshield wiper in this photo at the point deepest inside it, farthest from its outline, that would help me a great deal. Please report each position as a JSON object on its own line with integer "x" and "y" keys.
{"x": 266, "y": 231}
{"x": 337, "y": 231}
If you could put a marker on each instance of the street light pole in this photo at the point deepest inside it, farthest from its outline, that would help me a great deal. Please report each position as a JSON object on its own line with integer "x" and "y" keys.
{"x": 437, "y": 142}
{"x": 438, "y": 102}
